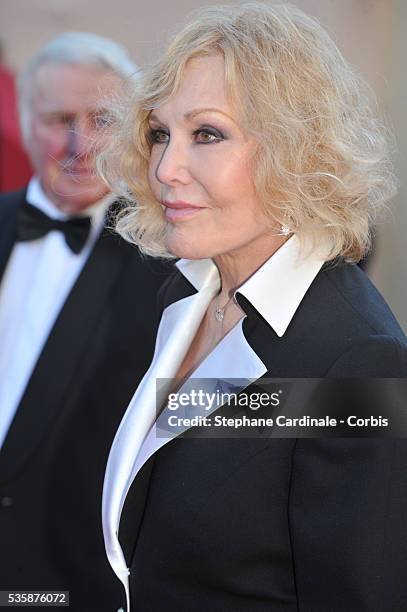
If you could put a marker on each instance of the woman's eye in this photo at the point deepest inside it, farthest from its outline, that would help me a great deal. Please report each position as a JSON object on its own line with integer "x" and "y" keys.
{"x": 158, "y": 136}
{"x": 207, "y": 136}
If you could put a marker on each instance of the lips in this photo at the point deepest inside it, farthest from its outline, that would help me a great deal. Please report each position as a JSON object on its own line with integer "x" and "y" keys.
{"x": 175, "y": 211}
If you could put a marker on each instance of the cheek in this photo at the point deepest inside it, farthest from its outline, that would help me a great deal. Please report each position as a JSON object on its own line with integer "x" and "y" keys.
{"x": 228, "y": 173}
{"x": 49, "y": 145}
{"x": 233, "y": 191}
{"x": 239, "y": 175}
{"x": 155, "y": 185}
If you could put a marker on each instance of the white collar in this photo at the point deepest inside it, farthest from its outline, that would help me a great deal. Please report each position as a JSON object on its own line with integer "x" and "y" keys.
{"x": 275, "y": 290}
{"x": 37, "y": 197}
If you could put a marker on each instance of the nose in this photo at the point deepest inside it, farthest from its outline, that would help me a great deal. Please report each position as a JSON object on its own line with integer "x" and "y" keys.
{"x": 172, "y": 165}
{"x": 79, "y": 138}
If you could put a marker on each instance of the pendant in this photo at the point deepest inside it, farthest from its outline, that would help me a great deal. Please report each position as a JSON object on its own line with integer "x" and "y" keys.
{"x": 219, "y": 314}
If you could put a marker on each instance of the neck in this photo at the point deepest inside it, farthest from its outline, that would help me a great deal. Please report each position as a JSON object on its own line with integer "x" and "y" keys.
{"x": 236, "y": 267}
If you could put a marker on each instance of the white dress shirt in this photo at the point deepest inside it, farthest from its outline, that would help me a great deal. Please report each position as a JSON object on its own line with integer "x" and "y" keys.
{"x": 275, "y": 290}
{"x": 38, "y": 279}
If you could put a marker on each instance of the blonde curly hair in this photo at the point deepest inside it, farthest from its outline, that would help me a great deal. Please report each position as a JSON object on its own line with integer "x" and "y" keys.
{"x": 321, "y": 165}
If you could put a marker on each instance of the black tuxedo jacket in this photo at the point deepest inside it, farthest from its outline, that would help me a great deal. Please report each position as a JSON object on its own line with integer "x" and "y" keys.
{"x": 53, "y": 459}
{"x": 281, "y": 525}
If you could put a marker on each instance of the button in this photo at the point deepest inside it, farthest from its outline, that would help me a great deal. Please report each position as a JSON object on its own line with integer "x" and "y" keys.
{"x": 120, "y": 610}
{"x": 6, "y": 502}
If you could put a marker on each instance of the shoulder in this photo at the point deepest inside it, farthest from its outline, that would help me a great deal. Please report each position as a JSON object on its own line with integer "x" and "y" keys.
{"x": 357, "y": 298}
{"x": 379, "y": 346}
{"x": 10, "y": 204}
{"x": 140, "y": 277}
{"x": 381, "y": 356}
{"x": 9, "y": 200}
{"x": 342, "y": 328}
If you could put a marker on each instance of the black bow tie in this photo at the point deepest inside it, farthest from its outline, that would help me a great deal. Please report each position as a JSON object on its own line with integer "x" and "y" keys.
{"x": 33, "y": 224}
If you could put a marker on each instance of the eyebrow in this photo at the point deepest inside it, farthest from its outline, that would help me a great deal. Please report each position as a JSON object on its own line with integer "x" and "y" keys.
{"x": 192, "y": 114}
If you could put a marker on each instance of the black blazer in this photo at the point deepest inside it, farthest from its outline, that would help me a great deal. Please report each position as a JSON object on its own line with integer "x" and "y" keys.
{"x": 281, "y": 525}
{"x": 53, "y": 459}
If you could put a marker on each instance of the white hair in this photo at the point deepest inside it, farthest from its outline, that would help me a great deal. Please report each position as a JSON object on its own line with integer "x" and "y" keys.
{"x": 81, "y": 48}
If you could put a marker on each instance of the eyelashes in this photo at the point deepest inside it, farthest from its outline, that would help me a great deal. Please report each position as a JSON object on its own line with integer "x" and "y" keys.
{"x": 208, "y": 135}
{"x": 203, "y": 135}
{"x": 157, "y": 136}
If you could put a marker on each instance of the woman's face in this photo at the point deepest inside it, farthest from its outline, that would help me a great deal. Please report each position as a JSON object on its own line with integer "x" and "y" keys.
{"x": 199, "y": 168}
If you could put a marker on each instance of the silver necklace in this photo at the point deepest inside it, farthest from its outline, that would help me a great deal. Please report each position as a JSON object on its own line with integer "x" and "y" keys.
{"x": 221, "y": 311}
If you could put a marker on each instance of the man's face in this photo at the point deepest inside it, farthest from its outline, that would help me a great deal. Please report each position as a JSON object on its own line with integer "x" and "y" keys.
{"x": 66, "y": 118}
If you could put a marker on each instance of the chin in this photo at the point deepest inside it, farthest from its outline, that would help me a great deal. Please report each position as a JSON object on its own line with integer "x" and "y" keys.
{"x": 186, "y": 253}
{"x": 184, "y": 248}
{"x": 75, "y": 200}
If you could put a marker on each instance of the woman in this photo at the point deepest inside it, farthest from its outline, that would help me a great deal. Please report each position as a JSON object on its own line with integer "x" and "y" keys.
{"x": 251, "y": 152}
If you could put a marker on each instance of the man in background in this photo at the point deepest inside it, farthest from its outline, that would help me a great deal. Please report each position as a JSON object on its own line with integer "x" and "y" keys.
{"x": 77, "y": 322}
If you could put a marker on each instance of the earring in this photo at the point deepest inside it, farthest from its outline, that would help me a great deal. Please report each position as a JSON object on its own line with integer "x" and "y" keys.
{"x": 285, "y": 230}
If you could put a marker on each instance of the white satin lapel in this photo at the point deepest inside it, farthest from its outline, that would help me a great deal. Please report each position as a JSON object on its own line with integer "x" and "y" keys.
{"x": 222, "y": 360}
{"x": 179, "y": 324}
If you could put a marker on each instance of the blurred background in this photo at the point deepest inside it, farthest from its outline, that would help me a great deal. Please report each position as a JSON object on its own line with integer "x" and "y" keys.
{"x": 370, "y": 33}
